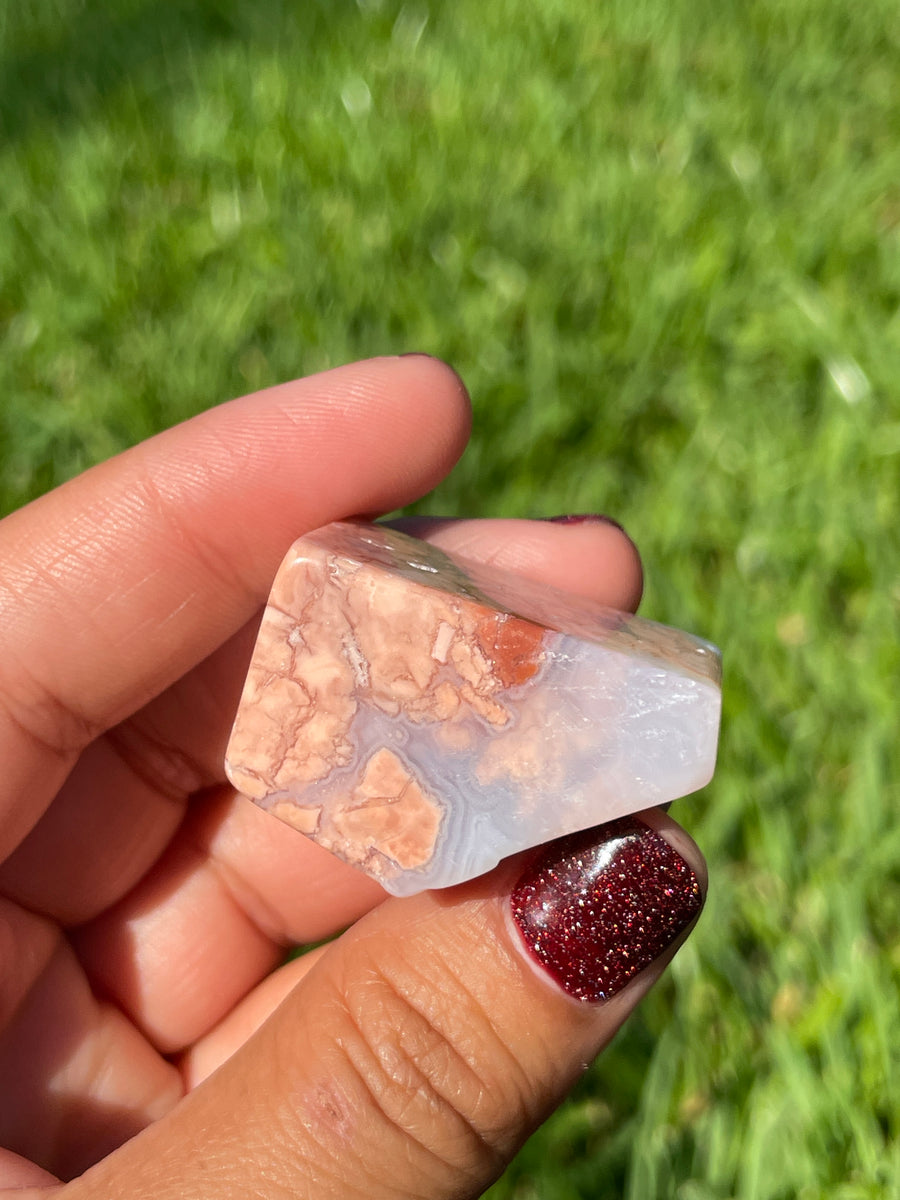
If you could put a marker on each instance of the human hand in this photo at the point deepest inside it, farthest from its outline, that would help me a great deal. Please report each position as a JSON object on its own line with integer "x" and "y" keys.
{"x": 148, "y": 1036}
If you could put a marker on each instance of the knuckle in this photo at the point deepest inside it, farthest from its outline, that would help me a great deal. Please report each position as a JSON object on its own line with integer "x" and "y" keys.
{"x": 435, "y": 1068}
{"x": 46, "y": 721}
{"x": 157, "y": 759}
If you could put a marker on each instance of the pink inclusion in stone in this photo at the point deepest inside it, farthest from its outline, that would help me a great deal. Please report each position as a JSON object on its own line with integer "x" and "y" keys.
{"x": 423, "y": 717}
{"x": 596, "y": 907}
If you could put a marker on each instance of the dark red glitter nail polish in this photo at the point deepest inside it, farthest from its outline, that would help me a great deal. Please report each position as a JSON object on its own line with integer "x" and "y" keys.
{"x": 597, "y": 907}
{"x": 585, "y": 519}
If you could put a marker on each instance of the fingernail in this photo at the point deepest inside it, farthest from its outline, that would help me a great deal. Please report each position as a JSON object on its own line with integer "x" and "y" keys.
{"x": 596, "y": 908}
{"x": 461, "y": 383}
{"x": 584, "y": 519}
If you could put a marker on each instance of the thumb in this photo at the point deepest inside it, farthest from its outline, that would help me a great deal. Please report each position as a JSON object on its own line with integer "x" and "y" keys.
{"x": 426, "y": 1044}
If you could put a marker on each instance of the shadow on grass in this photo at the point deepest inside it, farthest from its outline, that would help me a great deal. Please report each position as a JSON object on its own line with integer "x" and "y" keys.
{"x": 64, "y": 65}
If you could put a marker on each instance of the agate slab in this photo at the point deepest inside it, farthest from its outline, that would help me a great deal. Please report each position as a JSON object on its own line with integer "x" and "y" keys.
{"x": 423, "y": 717}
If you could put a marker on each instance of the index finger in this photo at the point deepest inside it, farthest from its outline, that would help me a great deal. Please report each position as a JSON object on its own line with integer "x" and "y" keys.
{"x": 117, "y": 583}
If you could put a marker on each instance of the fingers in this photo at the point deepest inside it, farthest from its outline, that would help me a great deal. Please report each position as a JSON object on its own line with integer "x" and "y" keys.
{"x": 116, "y": 584}
{"x": 422, "y": 1048}
{"x": 262, "y": 885}
{"x": 591, "y": 556}
{"x": 210, "y": 1052}
{"x": 78, "y": 1077}
{"x": 208, "y": 921}
{"x": 126, "y": 795}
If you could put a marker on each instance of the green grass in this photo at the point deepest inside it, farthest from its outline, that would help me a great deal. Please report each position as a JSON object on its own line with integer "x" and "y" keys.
{"x": 661, "y": 241}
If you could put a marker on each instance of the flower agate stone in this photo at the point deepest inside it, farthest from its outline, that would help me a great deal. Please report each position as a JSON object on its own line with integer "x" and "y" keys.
{"x": 423, "y": 717}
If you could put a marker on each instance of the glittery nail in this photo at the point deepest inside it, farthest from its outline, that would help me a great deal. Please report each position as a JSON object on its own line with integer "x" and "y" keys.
{"x": 597, "y": 907}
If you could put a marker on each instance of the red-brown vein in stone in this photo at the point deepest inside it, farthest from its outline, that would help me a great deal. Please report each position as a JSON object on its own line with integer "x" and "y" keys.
{"x": 299, "y": 700}
{"x": 514, "y": 646}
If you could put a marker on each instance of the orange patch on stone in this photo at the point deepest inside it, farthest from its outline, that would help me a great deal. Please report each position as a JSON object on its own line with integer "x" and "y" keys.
{"x": 302, "y": 818}
{"x": 514, "y": 646}
{"x": 389, "y": 812}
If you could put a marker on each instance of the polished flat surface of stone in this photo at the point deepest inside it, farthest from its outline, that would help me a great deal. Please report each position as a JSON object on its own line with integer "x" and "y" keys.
{"x": 423, "y": 717}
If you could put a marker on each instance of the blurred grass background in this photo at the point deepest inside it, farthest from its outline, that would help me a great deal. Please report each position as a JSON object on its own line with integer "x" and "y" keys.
{"x": 660, "y": 239}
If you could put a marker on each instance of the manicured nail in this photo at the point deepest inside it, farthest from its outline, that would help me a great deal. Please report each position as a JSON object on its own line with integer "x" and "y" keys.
{"x": 597, "y": 907}
{"x": 584, "y": 519}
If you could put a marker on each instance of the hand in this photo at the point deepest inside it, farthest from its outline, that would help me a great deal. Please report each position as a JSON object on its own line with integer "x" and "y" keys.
{"x": 148, "y": 1035}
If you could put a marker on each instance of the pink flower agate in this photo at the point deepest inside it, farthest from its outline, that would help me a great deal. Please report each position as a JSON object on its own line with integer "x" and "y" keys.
{"x": 423, "y": 717}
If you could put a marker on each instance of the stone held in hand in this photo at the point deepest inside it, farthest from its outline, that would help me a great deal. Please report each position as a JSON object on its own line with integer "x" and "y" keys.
{"x": 423, "y": 717}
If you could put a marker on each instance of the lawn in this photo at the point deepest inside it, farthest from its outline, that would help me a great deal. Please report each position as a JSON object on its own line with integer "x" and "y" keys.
{"x": 660, "y": 239}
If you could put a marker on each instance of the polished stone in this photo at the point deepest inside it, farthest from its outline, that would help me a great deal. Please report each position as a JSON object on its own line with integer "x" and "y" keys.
{"x": 423, "y": 717}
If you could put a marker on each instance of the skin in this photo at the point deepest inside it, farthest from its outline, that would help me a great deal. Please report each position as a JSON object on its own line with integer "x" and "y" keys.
{"x": 158, "y": 1046}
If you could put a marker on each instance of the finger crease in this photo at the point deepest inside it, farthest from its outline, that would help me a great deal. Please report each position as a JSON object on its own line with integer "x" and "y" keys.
{"x": 52, "y": 725}
{"x": 247, "y": 898}
{"x": 425, "y": 1086}
{"x": 163, "y": 766}
{"x": 198, "y": 551}
{"x": 511, "y": 1069}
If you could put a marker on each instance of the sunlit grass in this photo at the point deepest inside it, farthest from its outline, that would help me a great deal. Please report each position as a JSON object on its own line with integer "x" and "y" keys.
{"x": 661, "y": 241}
